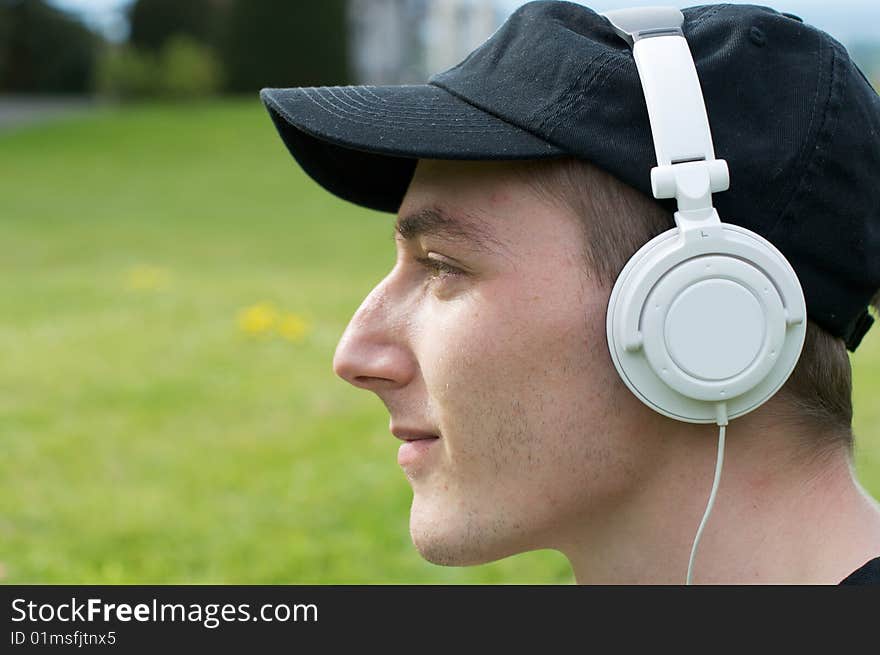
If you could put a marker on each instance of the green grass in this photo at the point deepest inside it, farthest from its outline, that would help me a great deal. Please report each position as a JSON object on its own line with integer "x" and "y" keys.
{"x": 145, "y": 438}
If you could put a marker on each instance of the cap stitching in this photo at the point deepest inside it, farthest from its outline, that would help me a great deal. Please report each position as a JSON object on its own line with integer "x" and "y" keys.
{"x": 279, "y": 109}
{"x": 385, "y": 101}
{"x": 423, "y": 112}
{"x": 369, "y": 89}
{"x": 708, "y": 12}
{"x": 606, "y": 74}
{"x": 811, "y": 140}
{"x": 837, "y": 324}
{"x": 824, "y": 135}
{"x": 399, "y": 126}
{"x": 534, "y": 116}
{"x": 490, "y": 112}
{"x": 367, "y": 109}
{"x": 600, "y": 77}
{"x": 307, "y": 91}
{"x": 553, "y": 110}
{"x": 329, "y": 107}
{"x": 335, "y": 111}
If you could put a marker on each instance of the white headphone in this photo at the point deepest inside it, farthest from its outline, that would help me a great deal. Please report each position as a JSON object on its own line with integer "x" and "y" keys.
{"x": 707, "y": 320}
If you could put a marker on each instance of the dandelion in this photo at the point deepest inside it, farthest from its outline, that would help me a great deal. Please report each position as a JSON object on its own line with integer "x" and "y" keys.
{"x": 258, "y": 320}
{"x": 293, "y": 327}
{"x": 148, "y": 278}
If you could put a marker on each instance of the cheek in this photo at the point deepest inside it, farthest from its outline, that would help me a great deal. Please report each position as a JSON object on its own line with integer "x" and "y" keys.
{"x": 514, "y": 378}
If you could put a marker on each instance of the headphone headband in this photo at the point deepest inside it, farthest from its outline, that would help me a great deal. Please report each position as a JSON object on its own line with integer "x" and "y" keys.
{"x": 708, "y": 318}
{"x": 686, "y": 166}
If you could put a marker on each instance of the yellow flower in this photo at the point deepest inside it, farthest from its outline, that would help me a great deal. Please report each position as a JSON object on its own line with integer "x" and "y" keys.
{"x": 148, "y": 278}
{"x": 293, "y": 327}
{"x": 258, "y": 320}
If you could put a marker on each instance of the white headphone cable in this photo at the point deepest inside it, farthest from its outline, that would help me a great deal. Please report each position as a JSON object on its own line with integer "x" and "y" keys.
{"x": 721, "y": 411}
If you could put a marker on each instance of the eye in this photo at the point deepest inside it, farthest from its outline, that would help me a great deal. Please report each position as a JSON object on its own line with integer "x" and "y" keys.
{"x": 439, "y": 268}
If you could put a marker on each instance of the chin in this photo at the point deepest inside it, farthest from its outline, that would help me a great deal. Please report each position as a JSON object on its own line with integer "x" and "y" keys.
{"x": 459, "y": 538}
{"x": 445, "y": 551}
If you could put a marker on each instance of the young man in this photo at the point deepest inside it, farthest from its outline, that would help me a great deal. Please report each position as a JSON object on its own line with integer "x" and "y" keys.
{"x": 520, "y": 182}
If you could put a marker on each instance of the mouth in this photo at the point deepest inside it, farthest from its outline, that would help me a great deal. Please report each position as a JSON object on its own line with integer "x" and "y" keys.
{"x": 416, "y": 446}
{"x": 414, "y": 451}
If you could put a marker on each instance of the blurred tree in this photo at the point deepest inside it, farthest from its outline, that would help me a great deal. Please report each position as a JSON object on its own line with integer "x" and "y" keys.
{"x": 42, "y": 50}
{"x": 124, "y": 73}
{"x": 867, "y": 55}
{"x": 188, "y": 69}
{"x": 278, "y": 43}
{"x": 153, "y": 22}
{"x": 183, "y": 69}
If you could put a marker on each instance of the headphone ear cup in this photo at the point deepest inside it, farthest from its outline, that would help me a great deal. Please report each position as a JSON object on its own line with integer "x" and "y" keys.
{"x": 695, "y": 321}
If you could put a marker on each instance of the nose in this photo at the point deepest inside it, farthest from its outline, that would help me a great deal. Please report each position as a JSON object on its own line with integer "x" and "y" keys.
{"x": 373, "y": 352}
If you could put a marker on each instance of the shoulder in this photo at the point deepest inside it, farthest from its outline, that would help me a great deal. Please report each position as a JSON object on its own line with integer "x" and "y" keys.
{"x": 869, "y": 573}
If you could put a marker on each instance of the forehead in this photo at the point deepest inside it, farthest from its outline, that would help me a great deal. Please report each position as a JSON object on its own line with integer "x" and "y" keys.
{"x": 457, "y": 226}
{"x": 486, "y": 204}
{"x": 470, "y": 178}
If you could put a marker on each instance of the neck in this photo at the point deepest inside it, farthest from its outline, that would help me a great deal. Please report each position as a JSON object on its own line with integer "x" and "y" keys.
{"x": 779, "y": 516}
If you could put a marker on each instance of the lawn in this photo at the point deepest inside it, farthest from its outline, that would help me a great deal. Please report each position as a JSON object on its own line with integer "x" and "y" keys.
{"x": 153, "y": 428}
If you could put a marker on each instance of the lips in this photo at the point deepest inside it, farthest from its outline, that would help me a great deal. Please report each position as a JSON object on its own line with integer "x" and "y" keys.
{"x": 416, "y": 446}
{"x": 412, "y": 453}
{"x": 412, "y": 434}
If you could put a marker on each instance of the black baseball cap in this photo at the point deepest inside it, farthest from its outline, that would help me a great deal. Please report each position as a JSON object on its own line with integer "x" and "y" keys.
{"x": 796, "y": 120}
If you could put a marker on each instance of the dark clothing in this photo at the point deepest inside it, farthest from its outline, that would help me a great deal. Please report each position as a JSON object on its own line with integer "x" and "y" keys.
{"x": 867, "y": 574}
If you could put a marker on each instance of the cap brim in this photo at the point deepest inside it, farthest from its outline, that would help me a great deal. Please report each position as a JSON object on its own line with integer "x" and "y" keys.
{"x": 361, "y": 143}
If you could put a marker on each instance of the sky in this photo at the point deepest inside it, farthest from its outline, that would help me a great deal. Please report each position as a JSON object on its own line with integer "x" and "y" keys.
{"x": 848, "y": 21}
{"x": 105, "y": 16}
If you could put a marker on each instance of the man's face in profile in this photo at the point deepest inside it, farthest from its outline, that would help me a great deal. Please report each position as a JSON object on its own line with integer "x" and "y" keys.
{"x": 489, "y": 335}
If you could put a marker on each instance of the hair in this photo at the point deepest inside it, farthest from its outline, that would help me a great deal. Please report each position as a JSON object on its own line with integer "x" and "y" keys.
{"x": 817, "y": 396}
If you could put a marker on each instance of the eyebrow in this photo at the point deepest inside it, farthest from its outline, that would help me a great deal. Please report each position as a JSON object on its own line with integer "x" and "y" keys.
{"x": 436, "y": 222}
